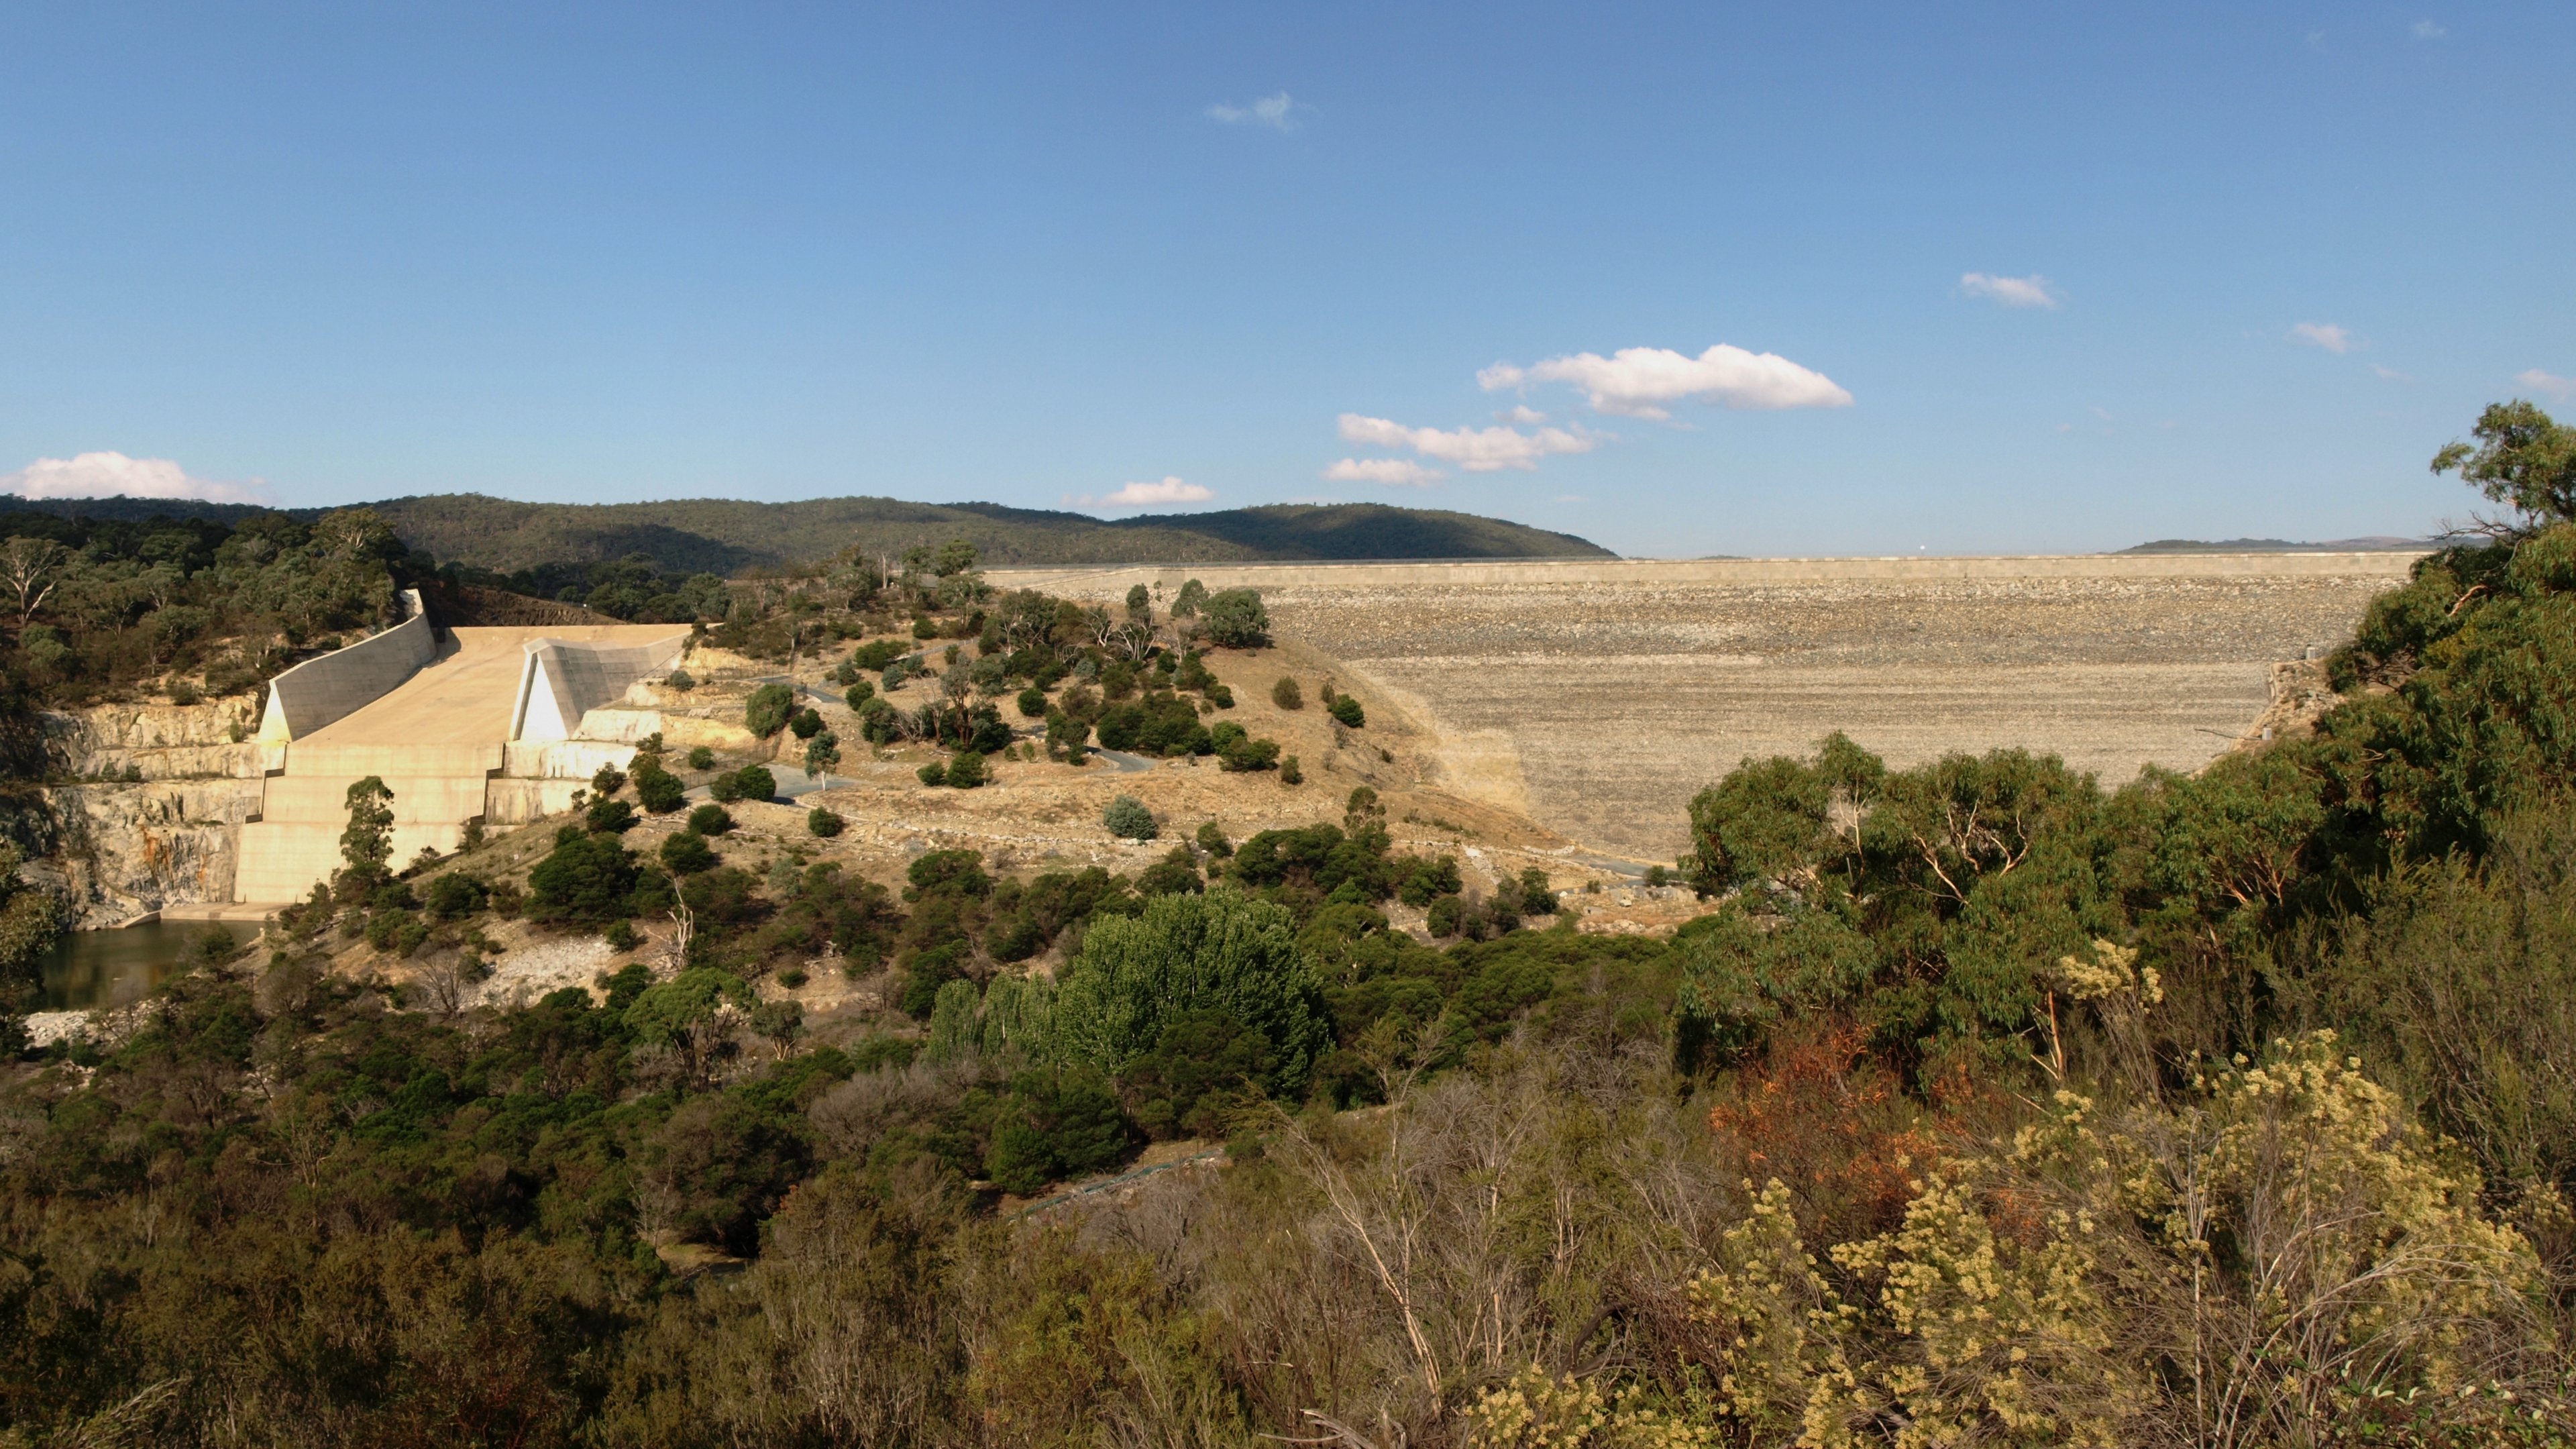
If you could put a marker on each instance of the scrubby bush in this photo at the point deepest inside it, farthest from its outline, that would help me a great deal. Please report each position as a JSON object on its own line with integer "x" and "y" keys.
{"x": 1128, "y": 819}
{"x": 768, "y": 709}
{"x": 806, "y": 723}
{"x": 687, "y": 853}
{"x": 754, "y": 782}
{"x": 934, "y": 773}
{"x": 1236, "y": 620}
{"x": 824, "y": 821}
{"x": 658, "y": 790}
{"x": 702, "y": 758}
{"x": 710, "y": 820}
{"x": 622, "y": 936}
{"x": 585, "y": 878}
{"x": 1348, "y": 711}
{"x": 1286, "y": 694}
{"x": 858, "y": 695}
{"x": 682, "y": 680}
{"x": 1212, "y": 839}
{"x": 1289, "y": 773}
{"x": 966, "y": 770}
{"x": 455, "y": 895}
{"x": 1033, "y": 703}
{"x": 613, "y": 816}
{"x": 822, "y": 754}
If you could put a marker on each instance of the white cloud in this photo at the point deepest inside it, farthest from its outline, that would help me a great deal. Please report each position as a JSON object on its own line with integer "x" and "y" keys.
{"x": 1403, "y": 472}
{"x": 2030, "y": 291}
{"x": 106, "y": 475}
{"x": 1277, "y": 112}
{"x": 2539, "y": 381}
{"x": 2390, "y": 373}
{"x": 1146, "y": 495}
{"x": 1474, "y": 450}
{"x": 1636, "y": 381}
{"x": 2427, "y": 30}
{"x": 1522, "y": 415}
{"x": 2333, "y": 339}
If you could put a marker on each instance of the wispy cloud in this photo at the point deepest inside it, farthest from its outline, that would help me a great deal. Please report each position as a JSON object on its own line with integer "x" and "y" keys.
{"x": 2427, "y": 30}
{"x": 1277, "y": 112}
{"x": 1474, "y": 450}
{"x": 1525, "y": 416}
{"x": 2550, "y": 383}
{"x": 1145, "y": 495}
{"x": 2390, "y": 373}
{"x": 1636, "y": 382}
{"x": 2030, "y": 291}
{"x": 1395, "y": 472}
{"x": 2336, "y": 340}
{"x": 107, "y": 475}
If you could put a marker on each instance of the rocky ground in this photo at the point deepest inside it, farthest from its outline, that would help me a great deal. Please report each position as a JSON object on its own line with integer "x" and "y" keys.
{"x": 1600, "y": 708}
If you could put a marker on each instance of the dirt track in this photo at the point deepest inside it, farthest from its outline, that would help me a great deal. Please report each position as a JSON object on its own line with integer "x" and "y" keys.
{"x": 1600, "y": 708}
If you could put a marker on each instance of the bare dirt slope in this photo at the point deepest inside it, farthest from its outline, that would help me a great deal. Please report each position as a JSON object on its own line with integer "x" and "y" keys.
{"x": 1600, "y": 707}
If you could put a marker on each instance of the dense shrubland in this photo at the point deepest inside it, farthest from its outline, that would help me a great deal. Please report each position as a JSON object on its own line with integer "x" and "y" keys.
{"x": 1982, "y": 1106}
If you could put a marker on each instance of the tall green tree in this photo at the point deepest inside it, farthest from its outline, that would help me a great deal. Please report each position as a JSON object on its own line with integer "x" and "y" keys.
{"x": 368, "y": 844}
{"x": 2524, "y": 459}
{"x": 1220, "y": 951}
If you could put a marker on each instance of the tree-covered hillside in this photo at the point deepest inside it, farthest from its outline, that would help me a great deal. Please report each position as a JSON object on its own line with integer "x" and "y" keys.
{"x": 724, "y": 536}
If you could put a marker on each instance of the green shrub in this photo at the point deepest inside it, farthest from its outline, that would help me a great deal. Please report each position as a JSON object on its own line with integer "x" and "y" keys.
{"x": 725, "y": 788}
{"x": 1219, "y": 951}
{"x": 822, "y": 754}
{"x": 585, "y": 878}
{"x": 754, "y": 782}
{"x": 1219, "y": 695}
{"x": 1033, "y": 703}
{"x": 687, "y": 853}
{"x": 806, "y": 724}
{"x": 768, "y": 709}
{"x": 681, "y": 680}
{"x": 614, "y": 817}
{"x": 1212, "y": 840}
{"x": 824, "y": 822}
{"x": 933, "y": 773}
{"x": 1289, "y": 774}
{"x": 966, "y": 770}
{"x": 1236, "y": 620}
{"x": 1348, "y": 711}
{"x": 702, "y": 758}
{"x": 621, "y": 936}
{"x": 710, "y": 820}
{"x": 1128, "y": 819}
{"x": 858, "y": 695}
{"x": 658, "y": 790}
{"x": 455, "y": 895}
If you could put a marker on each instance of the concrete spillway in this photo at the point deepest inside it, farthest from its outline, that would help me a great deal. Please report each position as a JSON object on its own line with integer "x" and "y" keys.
{"x": 445, "y": 728}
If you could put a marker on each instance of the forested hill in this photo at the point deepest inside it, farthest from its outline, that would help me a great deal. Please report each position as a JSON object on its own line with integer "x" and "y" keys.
{"x": 720, "y": 535}
{"x": 724, "y": 535}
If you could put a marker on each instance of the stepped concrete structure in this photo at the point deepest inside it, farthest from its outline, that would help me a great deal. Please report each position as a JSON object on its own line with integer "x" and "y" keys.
{"x": 487, "y": 725}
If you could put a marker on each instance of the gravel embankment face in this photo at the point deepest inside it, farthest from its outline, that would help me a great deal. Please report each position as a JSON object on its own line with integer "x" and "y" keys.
{"x": 1620, "y": 702}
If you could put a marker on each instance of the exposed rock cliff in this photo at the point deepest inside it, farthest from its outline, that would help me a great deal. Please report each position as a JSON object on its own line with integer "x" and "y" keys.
{"x": 164, "y": 741}
{"x": 112, "y": 851}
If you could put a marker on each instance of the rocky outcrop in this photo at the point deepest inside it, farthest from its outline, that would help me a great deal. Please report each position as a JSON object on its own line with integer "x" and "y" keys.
{"x": 119, "y": 851}
{"x": 113, "y": 850}
{"x": 213, "y": 740}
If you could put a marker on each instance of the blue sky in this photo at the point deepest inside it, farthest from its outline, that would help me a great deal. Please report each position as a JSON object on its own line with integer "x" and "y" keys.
{"x": 1027, "y": 254}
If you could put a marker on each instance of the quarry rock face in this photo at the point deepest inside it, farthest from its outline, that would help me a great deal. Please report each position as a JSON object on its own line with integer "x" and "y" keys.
{"x": 122, "y": 850}
{"x": 165, "y": 741}
{"x": 114, "y": 850}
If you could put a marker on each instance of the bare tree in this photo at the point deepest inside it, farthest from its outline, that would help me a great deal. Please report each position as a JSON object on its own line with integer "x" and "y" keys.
{"x": 32, "y": 567}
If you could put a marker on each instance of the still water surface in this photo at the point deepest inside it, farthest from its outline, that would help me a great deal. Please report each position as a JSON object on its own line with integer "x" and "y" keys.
{"x": 90, "y": 969}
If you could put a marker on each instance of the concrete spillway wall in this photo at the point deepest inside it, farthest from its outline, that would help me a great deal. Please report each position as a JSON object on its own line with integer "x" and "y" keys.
{"x": 1102, "y": 581}
{"x": 344, "y": 681}
{"x": 559, "y": 682}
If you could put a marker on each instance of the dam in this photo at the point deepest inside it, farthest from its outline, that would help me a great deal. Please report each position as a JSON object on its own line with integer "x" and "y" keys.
{"x": 494, "y": 725}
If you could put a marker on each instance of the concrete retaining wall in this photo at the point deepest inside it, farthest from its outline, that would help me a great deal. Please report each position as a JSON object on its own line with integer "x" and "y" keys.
{"x": 1110, "y": 581}
{"x": 344, "y": 681}
{"x": 560, "y": 681}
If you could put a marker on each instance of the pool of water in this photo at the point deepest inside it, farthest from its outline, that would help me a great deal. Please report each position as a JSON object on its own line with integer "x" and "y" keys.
{"x": 90, "y": 969}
